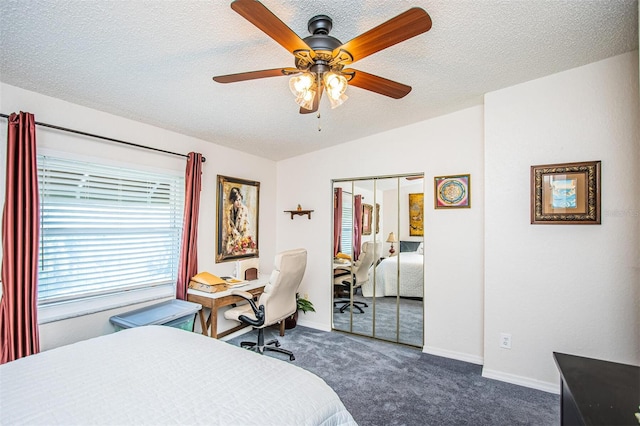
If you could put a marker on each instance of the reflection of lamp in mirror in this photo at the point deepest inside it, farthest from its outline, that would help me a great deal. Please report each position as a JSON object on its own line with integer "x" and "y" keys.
{"x": 391, "y": 239}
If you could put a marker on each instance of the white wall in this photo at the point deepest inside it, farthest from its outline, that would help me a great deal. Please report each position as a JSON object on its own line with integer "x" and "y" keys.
{"x": 450, "y": 144}
{"x": 554, "y": 288}
{"x": 564, "y": 288}
{"x": 220, "y": 160}
{"x": 561, "y": 288}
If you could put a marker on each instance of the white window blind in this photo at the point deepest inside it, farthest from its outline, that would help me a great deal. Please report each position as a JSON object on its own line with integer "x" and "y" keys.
{"x": 105, "y": 230}
{"x": 346, "y": 237}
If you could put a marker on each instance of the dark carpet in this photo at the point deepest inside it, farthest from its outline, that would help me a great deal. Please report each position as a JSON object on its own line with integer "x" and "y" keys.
{"x": 407, "y": 330}
{"x": 384, "y": 383}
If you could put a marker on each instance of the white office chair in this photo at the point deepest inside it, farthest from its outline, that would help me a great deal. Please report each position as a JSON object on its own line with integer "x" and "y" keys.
{"x": 277, "y": 302}
{"x": 361, "y": 268}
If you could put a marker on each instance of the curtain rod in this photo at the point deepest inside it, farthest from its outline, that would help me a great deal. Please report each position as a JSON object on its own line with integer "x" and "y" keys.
{"x": 78, "y": 132}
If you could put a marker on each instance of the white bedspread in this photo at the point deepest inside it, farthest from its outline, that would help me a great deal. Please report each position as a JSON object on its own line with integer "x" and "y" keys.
{"x": 386, "y": 276}
{"x": 158, "y": 375}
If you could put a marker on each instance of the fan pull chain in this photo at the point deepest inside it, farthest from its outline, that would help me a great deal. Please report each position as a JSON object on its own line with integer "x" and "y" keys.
{"x": 319, "y": 89}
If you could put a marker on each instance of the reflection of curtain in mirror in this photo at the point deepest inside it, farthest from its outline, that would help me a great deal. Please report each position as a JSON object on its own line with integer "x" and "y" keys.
{"x": 357, "y": 227}
{"x": 337, "y": 220}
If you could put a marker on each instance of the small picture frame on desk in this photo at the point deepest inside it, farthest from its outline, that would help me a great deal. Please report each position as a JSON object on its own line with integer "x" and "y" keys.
{"x": 248, "y": 269}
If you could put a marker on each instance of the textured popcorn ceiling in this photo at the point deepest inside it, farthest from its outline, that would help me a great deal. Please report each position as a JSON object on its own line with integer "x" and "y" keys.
{"x": 152, "y": 61}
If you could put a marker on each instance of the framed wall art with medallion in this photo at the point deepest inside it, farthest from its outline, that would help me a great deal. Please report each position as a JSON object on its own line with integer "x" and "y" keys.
{"x": 567, "y": 193}
{"x": 452, "y": 192}
{"x": 237, "y": 207}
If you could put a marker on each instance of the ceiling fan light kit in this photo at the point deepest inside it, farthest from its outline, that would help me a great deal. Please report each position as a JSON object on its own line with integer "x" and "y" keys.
{"x": 320, "y": 59}
{"x": 335, "y": 84}
{"x": 302, "y": 87}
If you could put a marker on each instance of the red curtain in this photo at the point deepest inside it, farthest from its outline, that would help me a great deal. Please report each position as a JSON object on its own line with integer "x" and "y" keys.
{"x": 188, "y": 266}
{"x": 357, "y": 227}
{"x": 20, "y": 230}
{"x": 337, "y": 220}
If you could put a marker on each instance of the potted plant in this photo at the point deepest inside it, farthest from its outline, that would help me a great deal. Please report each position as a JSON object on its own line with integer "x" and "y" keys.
{"x": 303, "y": 305}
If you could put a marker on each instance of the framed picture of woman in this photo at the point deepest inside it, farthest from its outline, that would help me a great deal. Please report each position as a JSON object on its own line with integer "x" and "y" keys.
{"x": 237, "y": 207}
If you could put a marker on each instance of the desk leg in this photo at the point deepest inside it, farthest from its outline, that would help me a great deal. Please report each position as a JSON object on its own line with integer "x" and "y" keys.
{"x": 203, "y": 324}
{"x": 214, "y": 321}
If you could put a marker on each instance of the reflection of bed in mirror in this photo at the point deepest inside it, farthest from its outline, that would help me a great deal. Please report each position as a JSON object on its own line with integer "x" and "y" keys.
{"x": 411, "y": 273}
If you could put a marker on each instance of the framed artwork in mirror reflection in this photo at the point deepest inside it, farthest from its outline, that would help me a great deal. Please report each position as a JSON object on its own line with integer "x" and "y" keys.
{"x": 367, "y": 213}
{"x": 416, "y": 214}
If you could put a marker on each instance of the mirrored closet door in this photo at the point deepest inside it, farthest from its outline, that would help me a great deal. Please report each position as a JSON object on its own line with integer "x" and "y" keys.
{"x": 378, "y": 265}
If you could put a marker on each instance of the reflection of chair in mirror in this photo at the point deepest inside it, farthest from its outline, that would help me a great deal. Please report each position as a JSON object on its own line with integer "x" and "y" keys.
{"x": 276, "y": 303}
{"x": 348, "y": 282}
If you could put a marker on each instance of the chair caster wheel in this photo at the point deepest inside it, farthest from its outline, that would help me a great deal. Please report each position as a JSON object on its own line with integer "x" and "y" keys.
{"x": 277, "y": 344}
{"x": 292, "y": 358}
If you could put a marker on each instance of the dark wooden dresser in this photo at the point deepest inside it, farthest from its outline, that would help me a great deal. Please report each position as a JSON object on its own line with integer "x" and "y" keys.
{"x": 596, "y": 392}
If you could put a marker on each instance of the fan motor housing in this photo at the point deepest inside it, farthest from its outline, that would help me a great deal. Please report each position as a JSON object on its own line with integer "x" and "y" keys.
{"x": 319, "y": 26}
{"x": 320, "y": 41}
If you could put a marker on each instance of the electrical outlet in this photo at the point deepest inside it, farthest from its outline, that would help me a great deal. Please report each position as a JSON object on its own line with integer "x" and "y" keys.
{"x": 306, "y": 296}
{"x": 505, "y": 340}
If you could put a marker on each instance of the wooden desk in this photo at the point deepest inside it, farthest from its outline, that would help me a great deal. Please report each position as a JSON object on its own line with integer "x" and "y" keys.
{"x": 596, "y": 392}
{"x": 338, "y": 265}
{"x": 214, "y": 301}
{"x": 342, "y": 271}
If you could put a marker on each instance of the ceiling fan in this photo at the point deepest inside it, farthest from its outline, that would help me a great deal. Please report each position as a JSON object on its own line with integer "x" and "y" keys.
{"x": 320, "y": 59}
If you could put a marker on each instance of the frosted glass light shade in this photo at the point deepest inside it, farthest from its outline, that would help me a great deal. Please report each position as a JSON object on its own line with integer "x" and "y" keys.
{"x": 303, "y": 88}
{"x": 336, "y": 85}
{"x": 305, "y": 100}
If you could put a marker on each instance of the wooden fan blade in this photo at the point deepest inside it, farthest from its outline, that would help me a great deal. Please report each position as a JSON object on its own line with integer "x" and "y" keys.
{"x": 252, "y": 75}
{"x": 256, "y": 13}
{"x": 404, "y": 26}
{"x": 377, "y": 84}
{"x": 316, "y": 102}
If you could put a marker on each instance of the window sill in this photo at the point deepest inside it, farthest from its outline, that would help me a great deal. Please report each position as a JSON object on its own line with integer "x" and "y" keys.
{"x": 77, "y": 308}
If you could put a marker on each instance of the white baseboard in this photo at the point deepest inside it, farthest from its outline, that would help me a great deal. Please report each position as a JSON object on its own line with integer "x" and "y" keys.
{"x": 521, "y": 381}
{"x": 312, "y": 324}
{"x": 473, "y": 359}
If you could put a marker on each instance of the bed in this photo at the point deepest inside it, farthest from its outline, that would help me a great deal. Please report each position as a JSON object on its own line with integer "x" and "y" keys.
{"x": 161, "y": 375}
{"x": 411, "y": 274}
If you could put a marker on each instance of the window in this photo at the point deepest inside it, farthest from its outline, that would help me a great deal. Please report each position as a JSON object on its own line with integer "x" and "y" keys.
{"x": 346, "y": 235}
{"x": 105, "y": 230}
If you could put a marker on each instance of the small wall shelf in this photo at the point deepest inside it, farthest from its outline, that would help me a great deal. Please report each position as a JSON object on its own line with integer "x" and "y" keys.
{"x": 299, "y": 213}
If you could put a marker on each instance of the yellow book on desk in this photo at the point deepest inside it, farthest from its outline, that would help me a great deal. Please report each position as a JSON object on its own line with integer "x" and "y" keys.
{"x": 207, "y": 278}
{"x": 208, "y": 288}
{"x": 204, "y": 281}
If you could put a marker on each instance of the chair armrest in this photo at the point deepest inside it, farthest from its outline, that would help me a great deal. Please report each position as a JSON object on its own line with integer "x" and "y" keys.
{"x": 257, "y": 311}
{"x": 340, "y": 272}
{"x": 243, "y": 294}
{"x": 259, "y": 316}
